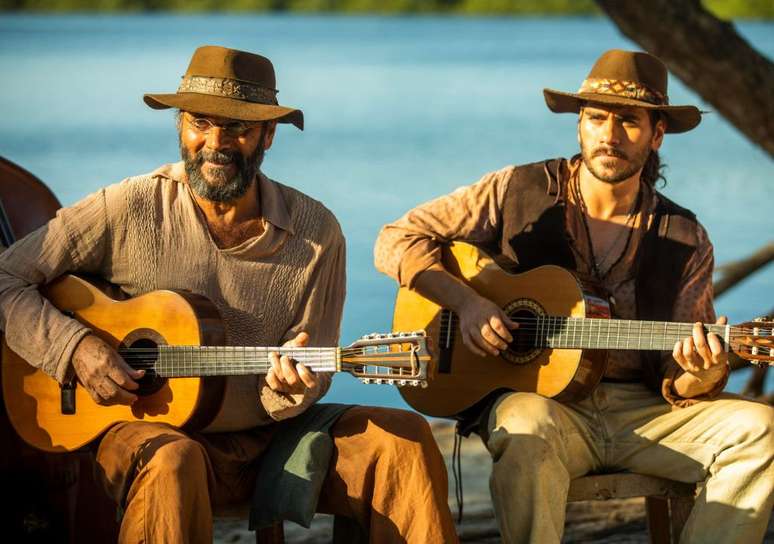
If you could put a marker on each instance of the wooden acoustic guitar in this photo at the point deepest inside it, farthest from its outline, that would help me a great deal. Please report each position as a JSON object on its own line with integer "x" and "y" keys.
{"x": 177, "y": 337}
{"x": 560, "y": 347}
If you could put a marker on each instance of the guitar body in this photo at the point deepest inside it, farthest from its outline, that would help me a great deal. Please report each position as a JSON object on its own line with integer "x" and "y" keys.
{"x": 34, "y": 400}
{"x": 459, "y": 379}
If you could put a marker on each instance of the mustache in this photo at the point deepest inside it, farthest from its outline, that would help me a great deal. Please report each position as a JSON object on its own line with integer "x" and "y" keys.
{"x": 609, "y": 151}
{"x": 218, "y": 157}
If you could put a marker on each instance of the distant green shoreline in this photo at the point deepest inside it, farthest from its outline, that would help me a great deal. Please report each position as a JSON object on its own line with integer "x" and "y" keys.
{"x": 725, "y": 9}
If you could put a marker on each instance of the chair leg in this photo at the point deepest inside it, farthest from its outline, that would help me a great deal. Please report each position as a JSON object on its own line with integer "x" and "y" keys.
{"x": 275, "y": 534}
{"x": 679, "y": 510}
{"x": 658, "y": 520}
{"x": 348, "y": 531}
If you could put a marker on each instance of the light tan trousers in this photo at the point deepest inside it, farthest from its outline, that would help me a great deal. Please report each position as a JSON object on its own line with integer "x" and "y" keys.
{"x": 386, "y": 473}
{"x": 539, "y": 445}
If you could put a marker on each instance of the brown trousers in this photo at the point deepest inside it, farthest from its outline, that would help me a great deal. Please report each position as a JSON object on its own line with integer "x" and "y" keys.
{"x": 386, "y": 473}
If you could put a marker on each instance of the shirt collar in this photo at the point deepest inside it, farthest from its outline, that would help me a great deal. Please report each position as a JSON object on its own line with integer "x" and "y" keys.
{"x": 274, "y": 209}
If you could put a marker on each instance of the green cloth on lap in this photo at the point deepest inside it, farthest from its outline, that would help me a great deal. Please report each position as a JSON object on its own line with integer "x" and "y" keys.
{"x": 293, "y": 469}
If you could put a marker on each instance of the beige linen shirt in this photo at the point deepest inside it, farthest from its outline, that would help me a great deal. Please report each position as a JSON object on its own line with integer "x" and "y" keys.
{"x": 474, "y": 214}
{"x": 148, "y": 233}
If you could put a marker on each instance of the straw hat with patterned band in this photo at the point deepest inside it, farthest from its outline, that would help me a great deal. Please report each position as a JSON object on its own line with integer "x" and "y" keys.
{"x": 626, "y": 78}
{"x": 228, "y": 83}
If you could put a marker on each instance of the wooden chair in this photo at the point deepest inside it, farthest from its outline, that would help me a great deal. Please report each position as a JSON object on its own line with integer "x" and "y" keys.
{"x": 668, "y": 503}
{"x": 268, "y": 535}
{"x": 345, "y": 530}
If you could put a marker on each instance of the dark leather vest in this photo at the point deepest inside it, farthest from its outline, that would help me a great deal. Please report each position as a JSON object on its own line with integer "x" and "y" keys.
{"x": 534, "y": 233}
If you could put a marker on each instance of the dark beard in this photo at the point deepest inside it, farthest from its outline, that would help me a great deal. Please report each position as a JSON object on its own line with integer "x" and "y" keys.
{"x": 636, "y": 163}
{"x": 222, "y": 188}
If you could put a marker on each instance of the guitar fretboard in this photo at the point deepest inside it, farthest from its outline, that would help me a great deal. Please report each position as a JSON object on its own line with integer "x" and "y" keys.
{"x": 193, "y": 361}
{"x": 589, "y": 333}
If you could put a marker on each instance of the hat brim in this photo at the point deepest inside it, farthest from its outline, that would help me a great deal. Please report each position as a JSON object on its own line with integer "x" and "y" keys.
{"x": 225, "y": 107}
{"x": 679, "y": 118}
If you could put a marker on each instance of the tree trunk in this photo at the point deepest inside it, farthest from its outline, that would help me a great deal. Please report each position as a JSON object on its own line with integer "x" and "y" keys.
{"x": 709, "y": 56}
{"x": 735, "y": 272}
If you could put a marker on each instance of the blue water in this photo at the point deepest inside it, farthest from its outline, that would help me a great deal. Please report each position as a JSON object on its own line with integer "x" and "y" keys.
{"x": 398, "y": 110}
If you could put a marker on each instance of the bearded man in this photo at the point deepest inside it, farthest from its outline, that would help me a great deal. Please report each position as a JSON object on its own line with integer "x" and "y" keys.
{"x": 599, "y": 215}
{"x": 272, "y": 260}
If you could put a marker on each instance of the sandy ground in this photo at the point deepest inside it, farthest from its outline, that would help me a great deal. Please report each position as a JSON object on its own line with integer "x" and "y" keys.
{"x": 597, "y": 522}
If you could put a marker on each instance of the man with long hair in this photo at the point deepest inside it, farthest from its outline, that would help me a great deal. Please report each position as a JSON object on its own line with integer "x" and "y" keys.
{"x": 599, "y": 215}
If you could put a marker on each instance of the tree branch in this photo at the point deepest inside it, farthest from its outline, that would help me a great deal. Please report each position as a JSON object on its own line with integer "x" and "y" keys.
{"x": 709, "y": 56}
{"x": 734, "y": 272}
{"x": 757, "y": 382}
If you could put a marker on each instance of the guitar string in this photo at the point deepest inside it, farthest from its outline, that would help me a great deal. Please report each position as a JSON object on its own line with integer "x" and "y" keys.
{"x": 610, "y": 333}
{"x": 605, "y": 320}
{"x": 238, "y": 351}
{"x": 202, "y": 355}
{"x": 224, "y": 365}
{"x": 591, "y": 322}
{"x": 209, "y": 357}
{"x": 644, "y": 335}
{"x": 634, "y": 331}
{"x": 322, "y": 359}
{"x": 447, "y": 315}
{"x": 618, "y": 333}
{"x": 259, "y": 366}
{"x": 219, "y": 358}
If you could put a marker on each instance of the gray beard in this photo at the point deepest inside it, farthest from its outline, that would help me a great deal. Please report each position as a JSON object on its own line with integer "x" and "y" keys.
{"x": 222, "y": 188}
{"x": 636, "y": 163}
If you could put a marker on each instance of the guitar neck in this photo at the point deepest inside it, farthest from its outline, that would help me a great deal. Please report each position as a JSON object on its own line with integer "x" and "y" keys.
{"x": 196, "y": 361}
{"x": 589, "y": 333}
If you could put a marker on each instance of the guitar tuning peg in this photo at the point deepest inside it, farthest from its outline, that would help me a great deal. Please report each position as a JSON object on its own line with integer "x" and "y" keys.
{"x": 365, "y": 380}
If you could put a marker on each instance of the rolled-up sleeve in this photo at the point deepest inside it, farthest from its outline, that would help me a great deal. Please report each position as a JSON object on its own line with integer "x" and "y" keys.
{"x": 72, "y": 241}
{"x": 694, "y": 303}
{"x": 472, "y": 214}
{"x": 320, "y": 318}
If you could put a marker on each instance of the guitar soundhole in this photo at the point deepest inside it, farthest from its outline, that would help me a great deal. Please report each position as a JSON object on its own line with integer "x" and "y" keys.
{"x": 142, "y": 352}
{"x": 524, "y": 337}
{"x": 524, "y": 347}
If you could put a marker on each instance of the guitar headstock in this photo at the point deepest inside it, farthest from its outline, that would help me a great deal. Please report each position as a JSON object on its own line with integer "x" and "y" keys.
{"x": 397, "y": 358}
{"x": 754, "y": 340}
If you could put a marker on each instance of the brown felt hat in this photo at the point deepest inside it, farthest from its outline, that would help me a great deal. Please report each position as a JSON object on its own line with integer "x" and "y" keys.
{"x": 626, "y": 78}
{"x": 228, "y": 83}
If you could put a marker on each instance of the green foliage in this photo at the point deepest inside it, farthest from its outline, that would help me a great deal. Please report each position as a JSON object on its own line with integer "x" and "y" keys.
{"x": 528, "y": 7}
{"x": 747, "y": 9}
{"x": 368, "y": 6}
{"x": 726, "y": 9}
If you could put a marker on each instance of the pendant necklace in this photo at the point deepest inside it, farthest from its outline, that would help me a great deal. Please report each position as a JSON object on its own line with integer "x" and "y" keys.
{"x": 597, "y": 264}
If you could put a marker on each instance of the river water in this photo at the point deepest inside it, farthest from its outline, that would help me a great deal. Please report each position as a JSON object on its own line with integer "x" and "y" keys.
{"x": 398, "y": 110}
